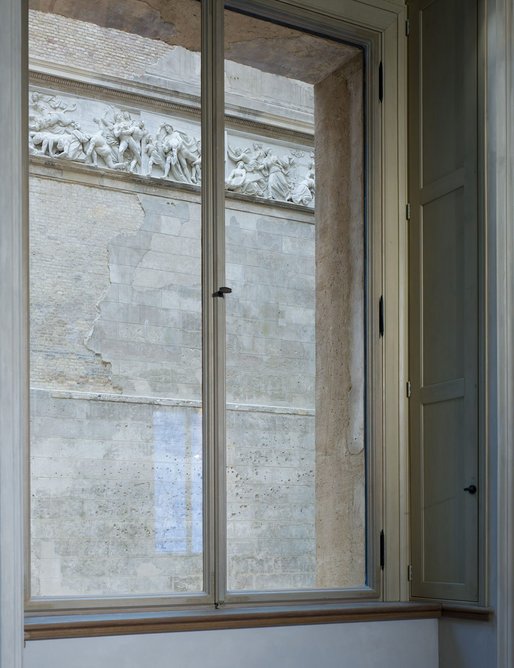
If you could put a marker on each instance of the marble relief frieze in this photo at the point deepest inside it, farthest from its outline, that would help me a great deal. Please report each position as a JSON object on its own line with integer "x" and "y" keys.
{"x": 144, "y": 143}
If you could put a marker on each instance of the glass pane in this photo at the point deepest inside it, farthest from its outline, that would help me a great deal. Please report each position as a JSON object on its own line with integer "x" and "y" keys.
{"x": 295, "y": 319}
{"x": 115, "y": 299}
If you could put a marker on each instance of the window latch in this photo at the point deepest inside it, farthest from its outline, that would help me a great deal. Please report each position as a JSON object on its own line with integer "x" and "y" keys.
{"x": 222, "y": 292}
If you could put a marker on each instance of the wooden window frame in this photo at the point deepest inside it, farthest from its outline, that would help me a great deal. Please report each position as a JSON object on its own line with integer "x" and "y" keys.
{"x": 382, "y": 29}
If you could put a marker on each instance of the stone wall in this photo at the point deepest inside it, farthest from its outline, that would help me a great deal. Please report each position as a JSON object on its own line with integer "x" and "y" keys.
{"x": 117, "y": 502}
{"x": 116, "y": 404}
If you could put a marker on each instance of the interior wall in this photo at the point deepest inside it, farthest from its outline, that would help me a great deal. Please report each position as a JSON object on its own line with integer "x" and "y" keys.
{"x": 401, "y": 644}
{"x": 466, "y": 644}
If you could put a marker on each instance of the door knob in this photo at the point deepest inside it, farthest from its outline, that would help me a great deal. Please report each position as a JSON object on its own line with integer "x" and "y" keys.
{"x": 471, "y": 489}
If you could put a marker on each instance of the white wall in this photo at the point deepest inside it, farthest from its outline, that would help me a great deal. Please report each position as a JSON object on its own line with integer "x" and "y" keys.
{"x": 400, "y": 644}
{"x": 466, "y": 644}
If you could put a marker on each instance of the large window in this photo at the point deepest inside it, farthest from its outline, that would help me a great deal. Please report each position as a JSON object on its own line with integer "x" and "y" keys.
{"x": 203, "y": 331}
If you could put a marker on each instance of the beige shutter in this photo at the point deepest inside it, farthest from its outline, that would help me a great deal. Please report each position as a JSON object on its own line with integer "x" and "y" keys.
{"x": 443, "y": 297}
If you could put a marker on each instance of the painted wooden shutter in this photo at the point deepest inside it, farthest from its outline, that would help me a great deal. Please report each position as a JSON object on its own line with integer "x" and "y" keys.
{"x": 443, "y": 302}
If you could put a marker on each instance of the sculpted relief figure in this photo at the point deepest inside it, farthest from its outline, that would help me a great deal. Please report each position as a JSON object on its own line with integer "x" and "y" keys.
{"x": 131, "y": 137}
{"x": 249, "y": 176}
{"x": 237, "y": 178}
{"x": 102, "y": 144}
{"x": 183, "y": 156}
{"x": 68, "y": 145}
{"x": 156, "y": 156}
{"x": 177, "y": 155}
{"x": 49, "y": 112}
{"x": 262, "y": 173}
{"x": 51, "y": 131}
{"x": 119, "y": 142}
{"x": 278, "y": 171}
{"x": 303, "y": 192}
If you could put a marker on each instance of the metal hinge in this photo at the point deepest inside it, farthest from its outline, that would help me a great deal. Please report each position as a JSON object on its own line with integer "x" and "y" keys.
{"x": 382, "y": 549}
{"x": 407, "y": 211}
{"x": 407, "y": 27}
{"x": 409, "y": 572}
{"x": 408, "y": 389}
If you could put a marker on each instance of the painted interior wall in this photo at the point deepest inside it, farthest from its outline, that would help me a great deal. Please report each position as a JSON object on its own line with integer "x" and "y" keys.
{"x": 400, "y": 644}
{"x": 468, "y": 644}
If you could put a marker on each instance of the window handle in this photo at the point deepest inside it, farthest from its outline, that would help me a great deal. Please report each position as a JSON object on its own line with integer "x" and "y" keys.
{"x": 471, "y": 489}
{"x": 222, "y": 292}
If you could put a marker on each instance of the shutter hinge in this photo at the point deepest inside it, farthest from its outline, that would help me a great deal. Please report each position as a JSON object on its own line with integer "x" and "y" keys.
{"x": 407, "y": 27}
{"x": 407, "y": 211}
{"x": 382, "y": 550}
{"x": 380, "y": 82}
{"x": 409, "y": 572}
{"x": 409, "y": 389}
{"x": 381, "y": 323}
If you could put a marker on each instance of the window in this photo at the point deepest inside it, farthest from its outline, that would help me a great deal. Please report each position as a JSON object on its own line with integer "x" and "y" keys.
{"x": 192, "y": 445}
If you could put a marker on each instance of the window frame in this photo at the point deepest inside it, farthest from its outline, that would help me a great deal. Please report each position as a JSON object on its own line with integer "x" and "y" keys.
{"x": 378, "y": 32}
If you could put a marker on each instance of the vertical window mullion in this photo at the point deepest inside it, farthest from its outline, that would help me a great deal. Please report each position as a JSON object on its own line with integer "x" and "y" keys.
{"x": 213, "y": 250}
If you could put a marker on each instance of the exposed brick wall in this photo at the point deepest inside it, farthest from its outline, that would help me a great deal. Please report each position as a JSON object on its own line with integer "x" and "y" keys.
{"x": 64, "y": 41}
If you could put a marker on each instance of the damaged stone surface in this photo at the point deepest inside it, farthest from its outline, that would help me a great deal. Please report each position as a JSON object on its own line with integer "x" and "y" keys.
{"x": 116, "y": 460}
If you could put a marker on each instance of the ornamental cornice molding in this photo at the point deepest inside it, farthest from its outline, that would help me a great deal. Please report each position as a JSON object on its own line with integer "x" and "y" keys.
{"x": 73, "y": 173}
{"x": 147, "y": 97}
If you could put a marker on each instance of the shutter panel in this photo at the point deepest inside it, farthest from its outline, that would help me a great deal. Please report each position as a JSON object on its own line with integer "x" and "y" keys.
{"x": 443, "y": 301}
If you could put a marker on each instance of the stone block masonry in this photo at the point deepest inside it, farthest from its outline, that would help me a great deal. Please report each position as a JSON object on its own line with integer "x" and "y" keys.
{"x": 116, "y": 372}
{"x": 116, "y": 497}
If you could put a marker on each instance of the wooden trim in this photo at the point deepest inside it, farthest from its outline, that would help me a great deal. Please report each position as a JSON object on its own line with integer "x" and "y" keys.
{"x": 13, "y": 324}
{"x": 478, "y": 613}
{"x": 207, "y": 620}
{"x": 500, "y": 207}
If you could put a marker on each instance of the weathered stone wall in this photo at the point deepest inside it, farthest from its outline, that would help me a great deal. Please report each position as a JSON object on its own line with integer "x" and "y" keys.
{"x": 340, "y": 298}
{"x": 117, "y": 505}
{"x": 116, "y": 416}
{"x": 115, "y": 494}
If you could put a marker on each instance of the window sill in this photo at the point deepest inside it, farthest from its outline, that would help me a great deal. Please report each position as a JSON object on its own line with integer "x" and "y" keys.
{"x": 81, "y": 626}
{"x": 475, "y": 612}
